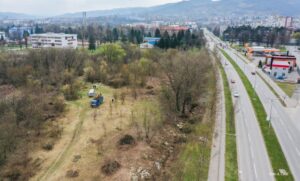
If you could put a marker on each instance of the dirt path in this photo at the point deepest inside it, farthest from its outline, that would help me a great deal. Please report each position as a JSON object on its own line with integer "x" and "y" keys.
{"x": 65, "y": 152}
{"x": 81, "y": 125}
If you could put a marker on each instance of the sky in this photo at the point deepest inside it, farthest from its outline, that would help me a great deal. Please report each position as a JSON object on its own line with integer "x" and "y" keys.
{"x": 57, "y": 7}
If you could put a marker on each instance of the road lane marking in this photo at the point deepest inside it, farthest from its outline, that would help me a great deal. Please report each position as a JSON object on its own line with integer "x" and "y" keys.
{"x": 255, "y": 172}
{"x": 298, "y": 152}
{"x": 289, "y": 135}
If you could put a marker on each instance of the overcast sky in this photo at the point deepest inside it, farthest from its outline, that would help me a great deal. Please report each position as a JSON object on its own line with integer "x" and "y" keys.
{"x": 55, "y": 7}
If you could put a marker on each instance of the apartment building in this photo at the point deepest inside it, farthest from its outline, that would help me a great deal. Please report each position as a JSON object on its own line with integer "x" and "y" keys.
{"x": 55, "y": 40}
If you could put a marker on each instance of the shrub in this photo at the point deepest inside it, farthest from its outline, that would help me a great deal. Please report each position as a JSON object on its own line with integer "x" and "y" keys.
{"x": 72, "y": 173}
{"x": 59, "y": 104}
{"x": 186, "y": 129}
{"x": 48, "y": 146}
{"x": 71, "y": 91}
{"x": 127, "y": 140}
{"x": 110, "y": 167}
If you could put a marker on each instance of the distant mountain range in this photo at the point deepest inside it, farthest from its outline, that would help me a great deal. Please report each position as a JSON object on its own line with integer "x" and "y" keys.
{"x": 9, "y": 15}
{"x": 196, "y": 9}
{"x": 207, "y": 8}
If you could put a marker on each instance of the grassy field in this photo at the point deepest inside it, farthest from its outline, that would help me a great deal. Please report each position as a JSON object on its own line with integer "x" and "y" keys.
{"x": 275, "y": 152}
{"x": 288, "y": 88}
{"x": 231, "y": 164}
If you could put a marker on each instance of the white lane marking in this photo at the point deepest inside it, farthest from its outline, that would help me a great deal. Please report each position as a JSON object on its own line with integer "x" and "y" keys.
{"x": 298, "y": 152}
{"x": 255, "y": 172}
{"x": 252, "y": 154}
{"x": 289, "y": 135}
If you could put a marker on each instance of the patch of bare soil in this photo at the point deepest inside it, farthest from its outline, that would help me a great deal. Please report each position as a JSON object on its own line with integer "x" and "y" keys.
{"x": 144, "y": 161}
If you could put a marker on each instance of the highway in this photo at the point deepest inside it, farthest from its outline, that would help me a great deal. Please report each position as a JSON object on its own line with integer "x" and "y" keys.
{"x": 286, "y": 129}
{"x": 253, "y": 160}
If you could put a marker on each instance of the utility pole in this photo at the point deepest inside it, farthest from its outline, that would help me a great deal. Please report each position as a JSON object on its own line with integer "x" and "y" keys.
{"x": 83, "y": 28}
{"x": 254, "y": 86}
{"x": 270, "y": 114}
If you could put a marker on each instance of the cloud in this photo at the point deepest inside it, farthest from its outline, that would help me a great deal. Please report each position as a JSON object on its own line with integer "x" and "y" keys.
{"x": 55, "y": 7}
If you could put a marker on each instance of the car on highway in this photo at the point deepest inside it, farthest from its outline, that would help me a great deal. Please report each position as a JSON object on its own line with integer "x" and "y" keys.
{"x": 236, "y": 94}
{"x": 253, "y": 72}
{"x": 232, "y": 81}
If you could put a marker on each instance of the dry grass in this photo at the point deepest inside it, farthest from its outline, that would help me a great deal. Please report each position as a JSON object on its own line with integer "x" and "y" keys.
{"x": 82, "y": 125}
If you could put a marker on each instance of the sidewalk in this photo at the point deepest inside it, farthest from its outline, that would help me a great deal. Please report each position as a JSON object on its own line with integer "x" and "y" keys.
{"x": 217, "y": 160}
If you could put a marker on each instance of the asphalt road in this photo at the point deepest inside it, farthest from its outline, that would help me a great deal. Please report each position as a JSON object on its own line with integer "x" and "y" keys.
{"x": 287, "y": 131}
{"x": 253, "y": 160}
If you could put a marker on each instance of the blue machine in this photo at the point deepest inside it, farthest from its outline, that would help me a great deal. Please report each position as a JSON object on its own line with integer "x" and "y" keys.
{"x": 96, "y": 102}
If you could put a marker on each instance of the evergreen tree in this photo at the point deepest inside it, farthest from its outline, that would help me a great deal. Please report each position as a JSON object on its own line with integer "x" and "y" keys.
{"x": 115, "y": 34}
{"x": 92, "y": 42}
{"x": 167, "y": 40}
{"x": 131, "y": 36}
{"x": 180, "y": 36}
{"x": 187, "y": 37}
{"x": 38, "y": 30}
{"x": 123, "y": 36}
{"x": 25, "y": 36}
{"x": 161, "y": 43}
{"x": 157, "y": 33}
{"x": 173, "y": 42}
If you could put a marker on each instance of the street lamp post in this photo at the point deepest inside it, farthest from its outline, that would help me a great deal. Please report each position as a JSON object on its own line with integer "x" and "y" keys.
{"x": 270, "y": 114}
{"x": 254, "y": 85}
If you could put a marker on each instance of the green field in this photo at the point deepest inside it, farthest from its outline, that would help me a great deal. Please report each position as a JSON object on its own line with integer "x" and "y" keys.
{"x": 288, "y": 88}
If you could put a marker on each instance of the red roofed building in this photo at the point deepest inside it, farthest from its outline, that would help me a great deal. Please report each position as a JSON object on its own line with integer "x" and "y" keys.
{"x": 174, "y": 29}
{"x": 291, "y": 60}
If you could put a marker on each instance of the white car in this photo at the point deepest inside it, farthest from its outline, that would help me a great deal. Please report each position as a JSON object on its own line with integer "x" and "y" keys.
{"x": 236, "y": 94}
{"x": 92, "y": 93}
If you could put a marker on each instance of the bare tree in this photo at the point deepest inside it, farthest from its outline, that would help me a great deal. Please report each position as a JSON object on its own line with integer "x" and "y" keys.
{"x": 186, "y": 77}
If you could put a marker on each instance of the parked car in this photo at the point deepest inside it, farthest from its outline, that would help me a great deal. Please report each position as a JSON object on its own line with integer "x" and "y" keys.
{"x": 92, "y": 93}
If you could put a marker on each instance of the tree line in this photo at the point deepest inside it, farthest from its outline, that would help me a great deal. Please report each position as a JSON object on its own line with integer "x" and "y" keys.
{"x": 182, "y": 39}
{"x": 270, "y": 36}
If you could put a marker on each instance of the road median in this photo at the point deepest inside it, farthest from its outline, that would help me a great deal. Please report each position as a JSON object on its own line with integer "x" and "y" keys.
{"x": 231, "y": 164}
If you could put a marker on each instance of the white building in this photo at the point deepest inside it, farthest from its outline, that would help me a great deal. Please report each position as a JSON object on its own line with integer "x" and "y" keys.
{"x": 2, "y": 34}
{"x": 280, "y": 69}
{"x": 146, "y": 45}
{"x": 57, "y": 40}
